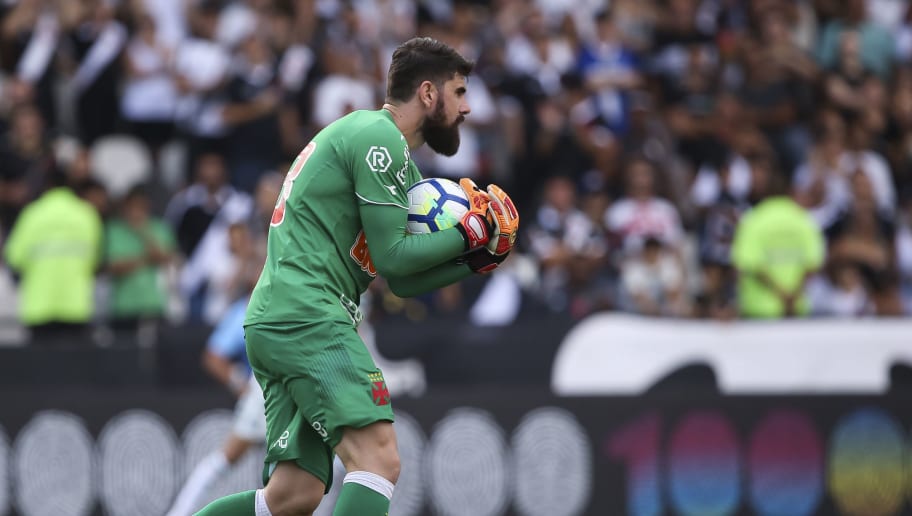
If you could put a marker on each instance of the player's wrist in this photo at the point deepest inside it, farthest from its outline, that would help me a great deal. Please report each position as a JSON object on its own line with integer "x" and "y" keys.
{"x": 238, "y": 379}
{"x": 482, "y": 261}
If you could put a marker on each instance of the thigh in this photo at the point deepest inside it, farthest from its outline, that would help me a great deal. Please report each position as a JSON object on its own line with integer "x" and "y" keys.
{"x": 370, "y": 448}
{"x": 328, "y": 374}
{"x": 289, "y": 435}
{"x": 341, "y": 386}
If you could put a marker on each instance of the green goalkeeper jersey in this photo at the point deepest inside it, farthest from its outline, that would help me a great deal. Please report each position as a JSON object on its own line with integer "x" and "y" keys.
{"x": 318, "y": 261}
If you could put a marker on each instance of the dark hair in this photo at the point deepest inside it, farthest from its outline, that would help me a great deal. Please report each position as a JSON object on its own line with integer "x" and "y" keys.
{"x": 422, "y": 59}
{"x": 89, "y": 184}
{"x": 135, "y": 192}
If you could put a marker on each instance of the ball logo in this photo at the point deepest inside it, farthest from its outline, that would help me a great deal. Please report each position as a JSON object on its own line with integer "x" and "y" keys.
{"x": 378, "y": 159}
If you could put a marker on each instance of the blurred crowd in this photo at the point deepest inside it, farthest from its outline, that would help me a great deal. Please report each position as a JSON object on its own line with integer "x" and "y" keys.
{"x": 679, "y": 158}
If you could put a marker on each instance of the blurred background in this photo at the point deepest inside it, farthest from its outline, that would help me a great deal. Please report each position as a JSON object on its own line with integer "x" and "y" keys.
{"x": 705, "y": 313}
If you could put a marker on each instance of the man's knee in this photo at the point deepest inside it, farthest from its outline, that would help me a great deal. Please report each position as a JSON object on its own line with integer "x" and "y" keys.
{"x": 382, "y": 460}
{"x": 293, "y": 492}
{"x": 389, "y": 464}
{"x": 372, "y": 449}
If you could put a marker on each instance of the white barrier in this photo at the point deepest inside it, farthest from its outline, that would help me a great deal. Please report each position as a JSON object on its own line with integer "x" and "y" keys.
{"x": 622, "y": 354}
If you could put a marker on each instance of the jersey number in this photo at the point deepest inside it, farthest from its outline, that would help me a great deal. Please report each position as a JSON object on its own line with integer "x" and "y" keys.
{"x": 278, "y": 215}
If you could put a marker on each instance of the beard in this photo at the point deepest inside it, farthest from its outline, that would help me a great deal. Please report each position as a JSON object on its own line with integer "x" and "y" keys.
{"x": 441, "y": 137}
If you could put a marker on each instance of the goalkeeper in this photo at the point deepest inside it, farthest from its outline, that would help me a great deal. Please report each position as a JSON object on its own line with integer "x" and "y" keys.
{"x": 339, "y": 221}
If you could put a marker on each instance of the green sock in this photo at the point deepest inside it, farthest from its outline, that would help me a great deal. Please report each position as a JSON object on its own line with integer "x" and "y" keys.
{"x": 357, "y": 500}
{"x": 238, "y": 504}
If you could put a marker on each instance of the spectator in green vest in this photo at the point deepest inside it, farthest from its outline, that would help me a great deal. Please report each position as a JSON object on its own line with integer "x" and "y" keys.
{"x": 54, "y": 248}
{"x": 777, "y": 247}
{"x": 138, "y": 248}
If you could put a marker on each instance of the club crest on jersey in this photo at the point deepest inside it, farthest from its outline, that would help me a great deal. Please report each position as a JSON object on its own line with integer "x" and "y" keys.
{"x": 379, "y": 392}
{"x": 378, "y": 159}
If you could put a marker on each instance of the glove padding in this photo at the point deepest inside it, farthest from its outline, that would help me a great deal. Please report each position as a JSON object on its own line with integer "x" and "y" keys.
{"x": 504, "y": 219}
{"x": 475, "y": 226}
{"x": 481, "y": 261}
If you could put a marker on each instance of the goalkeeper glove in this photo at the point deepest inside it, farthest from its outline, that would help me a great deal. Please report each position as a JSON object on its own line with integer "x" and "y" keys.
{"x": 475, "y": 227}
{"x": 505, "y": 220}
{"x": 481, "y": 261}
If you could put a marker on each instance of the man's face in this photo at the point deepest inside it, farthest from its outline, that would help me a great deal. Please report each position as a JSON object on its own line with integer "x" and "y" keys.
{"x": 441, "y": 127}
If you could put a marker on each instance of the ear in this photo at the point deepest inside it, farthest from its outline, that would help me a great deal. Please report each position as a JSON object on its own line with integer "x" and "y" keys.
{"x": 427, "y": 94}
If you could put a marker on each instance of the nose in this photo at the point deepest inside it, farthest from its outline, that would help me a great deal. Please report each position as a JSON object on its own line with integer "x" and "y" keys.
{"x": 464, "y": 109}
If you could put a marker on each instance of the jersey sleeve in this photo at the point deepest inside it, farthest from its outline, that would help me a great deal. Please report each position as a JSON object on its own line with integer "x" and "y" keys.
{"x": 428, "y": 280}
{"x": 381, "y": 166}
{"x": 395, "y": 252}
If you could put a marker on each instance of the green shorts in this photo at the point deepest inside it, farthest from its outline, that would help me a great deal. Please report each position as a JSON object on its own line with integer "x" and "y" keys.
{"x": 317, "y": 378}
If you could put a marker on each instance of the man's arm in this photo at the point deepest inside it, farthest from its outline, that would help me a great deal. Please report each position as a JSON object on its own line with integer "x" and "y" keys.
{"x": 426, "y": 281}
{"x": 399, "y": 254}
{"x": 224, "y": 371}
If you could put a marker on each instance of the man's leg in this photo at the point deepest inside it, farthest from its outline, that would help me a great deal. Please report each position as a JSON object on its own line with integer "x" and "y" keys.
{"x": 371, "y": 459}
{"x": 341, "y": 404}
{"x": 292, "y": 491}
{"x": 206, "y": 473}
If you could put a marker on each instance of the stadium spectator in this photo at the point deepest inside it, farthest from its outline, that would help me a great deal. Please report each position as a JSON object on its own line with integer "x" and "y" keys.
{"x": 94, "y": 192}
{"x": 611, "y": 71}
{"x": 689, "y": 94}
{"x": 571, "y": 252}
{"x": 251, "y": 112}
{"x": 846, "y": 81}
{"x": 841, "y": 292}
{"x": 904, "y": 255}
{"x": 91, "y": 47}
{"x": 571, "y": 139}
{"x": 260, "y": 93}
{"x": 264, "y": 200}
{"x": 345, "y": 87}
{"x": 26, "y": 161}
{"x": 201, "y": 67}
{"x": 875, "y": 44}
{"x": 899, "y": 131}
{"x": 904, "y": 38}
{"x": 535, "y": 52}
{"x": 641, "y": 213}
{"x": 233, "y": 277}
{"x": 823, "y": 181}
{"x": 774, "y": 88}
{"x": 55, "y": 249}
{"x": 29, "y": 37}
{"x": 138, "y": 248}
{"x": 652, "y": 282}
{"x": 864, "y": 237}
{"x": 149, "y": 98}
{"x": 648, "y": 135}
{"x": 200, "y": 216}
{"x": 777, "y": 247}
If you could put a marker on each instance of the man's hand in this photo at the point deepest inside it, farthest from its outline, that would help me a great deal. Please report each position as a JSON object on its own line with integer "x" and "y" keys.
{"x": 505, "y": 220}
{"x": 475, "y": 226}
{"x": 482, "y": 261}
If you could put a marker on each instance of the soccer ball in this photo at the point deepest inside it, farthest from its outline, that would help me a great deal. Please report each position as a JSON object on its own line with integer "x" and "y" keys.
{"x": 435, "y": 204}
